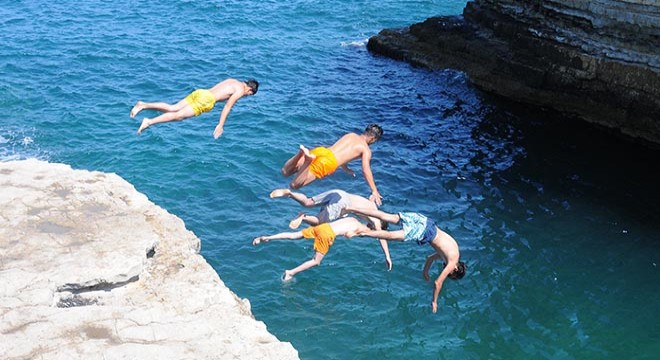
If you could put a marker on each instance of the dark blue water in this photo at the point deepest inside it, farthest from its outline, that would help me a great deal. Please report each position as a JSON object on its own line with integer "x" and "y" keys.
{"x": 557, "y": 221}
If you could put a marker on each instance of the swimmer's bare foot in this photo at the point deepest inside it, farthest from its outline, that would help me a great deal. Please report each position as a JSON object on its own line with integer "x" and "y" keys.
{"x": 295, "y": 223}
{"x": 287, "y": 275}
{"x": 145, "y": 124}
{"x": 279, "y": 193}
{"x": 307, "y": 153}
{"x": 139, "y": 106}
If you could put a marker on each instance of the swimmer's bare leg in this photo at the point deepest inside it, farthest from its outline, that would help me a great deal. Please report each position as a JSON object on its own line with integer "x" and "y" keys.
{"x": 311, "y": 220}
{"x": 315, "y": 261}
{"x": 178, "y": 115}
{"x": 295, "y": 223}
{"x": 159, "y": 106}
{"x": 146, "y": 122}
{"x": 139, "y": 106}
{"x": 294, "y": 164}
{"x": 280, "y": 193}
{"x": 306, "y": 152}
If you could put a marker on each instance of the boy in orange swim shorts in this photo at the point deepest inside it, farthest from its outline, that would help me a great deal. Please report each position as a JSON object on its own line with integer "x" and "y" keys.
{"x": 324, "y": 236}
{"x": 321, "y": 161}
{"x": 198, "y": 102}
{"x": 324, "y": 162}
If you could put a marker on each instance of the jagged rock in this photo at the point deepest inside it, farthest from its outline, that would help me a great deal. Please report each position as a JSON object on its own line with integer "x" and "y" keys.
{"x": 90, "y": 269}
{"x": 597, "y": 60}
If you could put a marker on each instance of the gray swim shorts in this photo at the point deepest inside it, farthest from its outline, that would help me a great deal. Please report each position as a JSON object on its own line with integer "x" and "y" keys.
{"x": 332, "y": 203}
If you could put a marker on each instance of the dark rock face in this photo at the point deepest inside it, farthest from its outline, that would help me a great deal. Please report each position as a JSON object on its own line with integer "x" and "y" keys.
{"x": 599, "y": 60}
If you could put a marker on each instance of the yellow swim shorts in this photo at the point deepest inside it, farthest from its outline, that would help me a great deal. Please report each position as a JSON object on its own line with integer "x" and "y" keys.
{"x": 201, "y": 101}
{"x": 324, "y": 164}
{"x": 323, "y": 237}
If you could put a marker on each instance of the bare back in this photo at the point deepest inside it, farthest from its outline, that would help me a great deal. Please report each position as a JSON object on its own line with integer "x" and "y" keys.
{"x": 226, "y": 88}
{"x": 349, "y": 147}
{"x": 345, "y": 225}
{"x": 445, "y": 245}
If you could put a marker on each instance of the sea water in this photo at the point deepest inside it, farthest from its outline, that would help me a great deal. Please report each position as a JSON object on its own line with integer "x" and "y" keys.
{"x": 558, "y": 222}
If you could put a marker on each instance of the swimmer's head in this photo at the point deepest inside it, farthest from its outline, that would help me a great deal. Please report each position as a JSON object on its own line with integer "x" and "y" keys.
{"x": 374, "y": 131}
{"x": 383, "y": 225}
{"x": 253, "y": 85}
{"x": 459, "y": 272}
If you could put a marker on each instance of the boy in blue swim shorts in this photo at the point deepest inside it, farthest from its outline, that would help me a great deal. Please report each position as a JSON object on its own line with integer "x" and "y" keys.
{"x": 417, "y": 227}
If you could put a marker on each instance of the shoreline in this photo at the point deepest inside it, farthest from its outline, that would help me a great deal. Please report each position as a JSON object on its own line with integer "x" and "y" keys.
{"x": 90, "y": 266}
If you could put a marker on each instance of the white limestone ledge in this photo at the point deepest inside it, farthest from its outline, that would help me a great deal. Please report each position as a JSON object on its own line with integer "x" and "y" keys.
{"x": 90, "y": 268}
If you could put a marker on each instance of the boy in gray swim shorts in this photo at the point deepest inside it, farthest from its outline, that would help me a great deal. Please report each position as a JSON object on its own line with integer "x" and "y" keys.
{"x": 333, "y": 203}
{"x": 419, "y": 228}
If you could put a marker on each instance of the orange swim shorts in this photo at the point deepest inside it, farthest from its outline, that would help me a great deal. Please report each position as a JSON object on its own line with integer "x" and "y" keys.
{"x": 324, "y": 164}
{"x": 323, "y": 237}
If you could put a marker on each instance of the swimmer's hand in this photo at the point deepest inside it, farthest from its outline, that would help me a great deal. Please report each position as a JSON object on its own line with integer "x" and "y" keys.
{"x": 388, "y": 263}
{"x": 376, "y": 198}
{"x": 434, "y": 307}
{"x": 218, "y": 131}
{"x": 348, "y": 170}
{"x": 426, "y": 274}
{"x": 259, "y": 240}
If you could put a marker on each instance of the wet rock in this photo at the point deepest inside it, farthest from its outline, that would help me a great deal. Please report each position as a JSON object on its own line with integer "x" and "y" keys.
{"x": 595, "y": 60}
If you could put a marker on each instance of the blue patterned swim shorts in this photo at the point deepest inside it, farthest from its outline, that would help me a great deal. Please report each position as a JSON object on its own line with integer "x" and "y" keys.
{"x": 418, "y": 227}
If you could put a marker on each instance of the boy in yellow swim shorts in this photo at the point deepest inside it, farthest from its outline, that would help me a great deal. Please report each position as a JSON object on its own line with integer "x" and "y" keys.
{"x": 198, "y": 102}
{"x": 324, "y": 236}
{"x": 321, "y": 161}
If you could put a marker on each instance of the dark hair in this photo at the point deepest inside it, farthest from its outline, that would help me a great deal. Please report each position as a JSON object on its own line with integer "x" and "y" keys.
{"x": 459, "y": 272}
{"x": 253, "y": 84}
{"x": 384, "y": 225}
{"x": 374, "y": 130}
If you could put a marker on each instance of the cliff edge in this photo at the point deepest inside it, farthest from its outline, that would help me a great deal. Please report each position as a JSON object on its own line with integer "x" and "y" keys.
{"x": 596, "y": 60}
{"x": 90, "y": 268}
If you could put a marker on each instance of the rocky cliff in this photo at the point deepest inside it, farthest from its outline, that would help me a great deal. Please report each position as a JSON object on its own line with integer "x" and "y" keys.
{"x": 598, "y": 60}
{"x": 91, "y": 269}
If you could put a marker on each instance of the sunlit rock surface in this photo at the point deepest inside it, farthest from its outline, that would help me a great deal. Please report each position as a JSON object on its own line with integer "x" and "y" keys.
{"x": 90, "y": 268}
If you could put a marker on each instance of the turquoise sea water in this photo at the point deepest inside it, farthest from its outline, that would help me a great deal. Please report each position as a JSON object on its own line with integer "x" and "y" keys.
{"x": 558, "y": 222}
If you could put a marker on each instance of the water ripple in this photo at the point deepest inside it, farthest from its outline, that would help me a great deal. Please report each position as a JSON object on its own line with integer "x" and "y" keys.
{"x": 543, "y": 215}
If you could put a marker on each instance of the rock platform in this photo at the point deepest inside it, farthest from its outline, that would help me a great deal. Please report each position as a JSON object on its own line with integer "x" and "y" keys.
{"x": 91, "y": 269}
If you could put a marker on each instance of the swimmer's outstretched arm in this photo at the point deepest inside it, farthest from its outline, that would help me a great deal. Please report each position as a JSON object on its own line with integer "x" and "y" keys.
{"x": 397, "y": 235}
{"x": 369, "y": 177}
{"x": 281, "y": 236}
{"x": 427, "y": 265}
{"x": 386, "y": 251}
{"x": 225, "y": 112}
{"x": 437, "y": 285}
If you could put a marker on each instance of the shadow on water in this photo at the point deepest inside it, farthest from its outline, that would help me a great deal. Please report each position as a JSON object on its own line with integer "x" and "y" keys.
{"x": 569, "y": 216}
{"x": 543, "y": 159}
